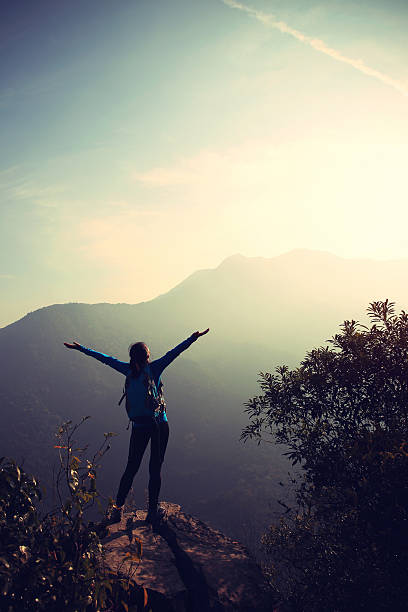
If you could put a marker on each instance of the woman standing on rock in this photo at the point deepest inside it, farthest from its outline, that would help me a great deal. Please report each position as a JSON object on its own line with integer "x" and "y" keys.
{"x": 146, "y": 409}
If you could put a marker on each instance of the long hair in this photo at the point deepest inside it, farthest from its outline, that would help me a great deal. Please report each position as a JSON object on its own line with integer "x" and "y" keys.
{"x": 139, "y": 355}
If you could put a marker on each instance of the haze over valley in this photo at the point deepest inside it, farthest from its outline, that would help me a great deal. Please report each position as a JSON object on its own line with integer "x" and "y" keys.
{"x": 261, "y": 312}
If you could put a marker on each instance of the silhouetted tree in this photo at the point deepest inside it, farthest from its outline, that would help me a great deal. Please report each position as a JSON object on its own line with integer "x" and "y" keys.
{"x": 343, "y": 417}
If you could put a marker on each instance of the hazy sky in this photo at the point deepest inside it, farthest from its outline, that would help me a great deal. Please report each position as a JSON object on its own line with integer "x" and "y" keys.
{"x": 144, "y": 139}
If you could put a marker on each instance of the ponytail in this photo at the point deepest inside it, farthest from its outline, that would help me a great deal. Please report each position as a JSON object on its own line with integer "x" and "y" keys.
{"x": 139, "y": 355}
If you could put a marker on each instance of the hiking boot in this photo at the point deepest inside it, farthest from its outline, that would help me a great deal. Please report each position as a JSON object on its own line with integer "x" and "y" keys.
{"x": 154, "y": 517}
{"x": 115, "y": 515}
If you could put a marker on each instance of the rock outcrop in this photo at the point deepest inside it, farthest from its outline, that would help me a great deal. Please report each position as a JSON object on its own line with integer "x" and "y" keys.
{"x": 185, "y": 565}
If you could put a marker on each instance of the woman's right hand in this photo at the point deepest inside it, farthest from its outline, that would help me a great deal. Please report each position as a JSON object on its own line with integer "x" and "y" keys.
{"x": 74, "y": 345}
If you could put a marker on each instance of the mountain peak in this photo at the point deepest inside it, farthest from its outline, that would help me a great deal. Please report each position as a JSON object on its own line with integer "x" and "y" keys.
{"x": 236, "y": 257}
{"x": 238, "y": 260}
{"x": 310, "y": 255}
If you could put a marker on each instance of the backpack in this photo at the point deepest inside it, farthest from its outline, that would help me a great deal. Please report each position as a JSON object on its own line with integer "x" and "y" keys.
{"x": 143, "y": 399}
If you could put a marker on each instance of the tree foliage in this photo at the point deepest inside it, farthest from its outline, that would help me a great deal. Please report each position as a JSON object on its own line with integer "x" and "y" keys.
{"x": 54, "y": 561}
{"x": 343, "y": 417}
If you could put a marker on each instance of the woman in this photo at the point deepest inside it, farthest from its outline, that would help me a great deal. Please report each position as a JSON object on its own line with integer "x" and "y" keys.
{"x": 144, "y": 428}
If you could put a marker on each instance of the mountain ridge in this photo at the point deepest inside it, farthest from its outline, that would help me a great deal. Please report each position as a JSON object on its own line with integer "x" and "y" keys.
{"x": 238, "y": 259}
{"x": 260, "y": 315}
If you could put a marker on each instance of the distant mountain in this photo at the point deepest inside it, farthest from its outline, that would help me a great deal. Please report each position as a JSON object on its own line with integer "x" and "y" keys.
{"x": 262, "y": 312}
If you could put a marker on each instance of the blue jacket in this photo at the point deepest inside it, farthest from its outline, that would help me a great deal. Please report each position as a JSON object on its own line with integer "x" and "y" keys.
{"x": 157, "y": 366}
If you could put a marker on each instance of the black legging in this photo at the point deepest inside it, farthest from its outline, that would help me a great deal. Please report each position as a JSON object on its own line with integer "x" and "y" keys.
{"x": 159, "y": 435}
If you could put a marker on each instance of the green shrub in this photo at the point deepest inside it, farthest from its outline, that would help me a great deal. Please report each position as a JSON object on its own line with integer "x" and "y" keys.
{"x": 54, "y": 561}
{"x": 343, "y": 417}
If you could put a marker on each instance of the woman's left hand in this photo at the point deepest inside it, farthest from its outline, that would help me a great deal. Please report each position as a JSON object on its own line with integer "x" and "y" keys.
{"x": 197, "y": 334}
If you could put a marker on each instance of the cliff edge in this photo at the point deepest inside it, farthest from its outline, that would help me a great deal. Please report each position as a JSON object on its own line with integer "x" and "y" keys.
{"x": 185, "y": 565}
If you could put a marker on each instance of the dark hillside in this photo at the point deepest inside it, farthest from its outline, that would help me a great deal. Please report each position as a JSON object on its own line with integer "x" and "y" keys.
{"x": 262, "y": 313}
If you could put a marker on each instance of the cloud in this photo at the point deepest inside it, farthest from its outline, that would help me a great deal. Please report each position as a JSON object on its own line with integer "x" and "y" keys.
{"x": 42, "y": 196}
{"x": 319, "y": 45}
{"x": 211, "y": 168}
{"x": 112, "y": 237}
{"x": 15, "y": 186}
{"x": 165, "y": 177}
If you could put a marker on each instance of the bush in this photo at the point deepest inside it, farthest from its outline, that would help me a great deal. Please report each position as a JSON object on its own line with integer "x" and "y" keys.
{"x": 343, "y": 417}
{"x": 54, "y": 561}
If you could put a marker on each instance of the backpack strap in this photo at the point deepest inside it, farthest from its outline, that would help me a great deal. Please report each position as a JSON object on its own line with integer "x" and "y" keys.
{"x": 121, "y": 399}
{"x": 123, "y": 396}
{"x": 124, "y": 390}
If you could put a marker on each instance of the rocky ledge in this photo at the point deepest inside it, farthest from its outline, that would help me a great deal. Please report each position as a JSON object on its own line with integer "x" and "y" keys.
{"x": 185, "y": 565}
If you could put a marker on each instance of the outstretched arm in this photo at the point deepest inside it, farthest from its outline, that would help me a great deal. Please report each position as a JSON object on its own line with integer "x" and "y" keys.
{"x": 159, "y": 364}
{"x": 120, "y": 366}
